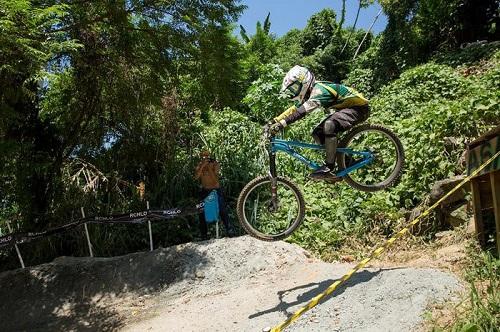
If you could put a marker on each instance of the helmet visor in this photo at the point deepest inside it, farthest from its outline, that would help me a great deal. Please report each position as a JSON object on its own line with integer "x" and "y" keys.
{"x": 293, "y": 90}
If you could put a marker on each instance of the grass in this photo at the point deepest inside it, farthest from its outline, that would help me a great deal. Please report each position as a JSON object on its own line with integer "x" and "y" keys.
{"x": 479, "y": 309}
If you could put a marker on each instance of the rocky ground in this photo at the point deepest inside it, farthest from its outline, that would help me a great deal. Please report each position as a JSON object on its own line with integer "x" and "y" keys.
{"x": 219, "y": 285}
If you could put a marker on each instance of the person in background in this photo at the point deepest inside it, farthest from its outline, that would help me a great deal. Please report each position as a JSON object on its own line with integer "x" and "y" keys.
{"x": 207, "y": 172}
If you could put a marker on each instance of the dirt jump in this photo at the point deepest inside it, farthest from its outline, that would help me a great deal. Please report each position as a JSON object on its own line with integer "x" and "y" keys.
{"x": 237, "y": 284}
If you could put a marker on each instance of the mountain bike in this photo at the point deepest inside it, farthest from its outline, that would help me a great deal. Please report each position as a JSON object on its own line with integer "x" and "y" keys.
{"x": 369, "y": 158}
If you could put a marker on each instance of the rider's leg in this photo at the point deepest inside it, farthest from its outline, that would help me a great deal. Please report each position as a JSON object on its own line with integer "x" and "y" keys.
{"x": 329, "y": 139}
{"x": 349, "y": 117}
{"x": 330, "y": 143}
{"x": 318, "y": 133}
{"x": 338, "y": 122}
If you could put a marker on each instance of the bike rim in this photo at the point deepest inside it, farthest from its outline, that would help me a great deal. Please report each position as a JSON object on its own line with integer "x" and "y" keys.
{"x": 264, "y": 221}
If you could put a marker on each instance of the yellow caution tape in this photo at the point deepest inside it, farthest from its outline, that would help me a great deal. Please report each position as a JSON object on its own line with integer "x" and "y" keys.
{"x": 375, "y": 253}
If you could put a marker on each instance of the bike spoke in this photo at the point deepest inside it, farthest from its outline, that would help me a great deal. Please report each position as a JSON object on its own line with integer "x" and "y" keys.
{"x": 385, "y": 153}
{"x": 267, "y": 218}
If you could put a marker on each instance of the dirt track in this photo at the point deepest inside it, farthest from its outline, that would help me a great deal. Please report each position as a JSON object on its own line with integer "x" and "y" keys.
{"x": 229, "y": 284}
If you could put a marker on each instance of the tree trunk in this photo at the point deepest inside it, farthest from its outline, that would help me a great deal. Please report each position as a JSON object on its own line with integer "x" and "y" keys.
{"x": 342, "y": 18}
{"x": 366, "y": 34}
{"x": 353, "y": 28}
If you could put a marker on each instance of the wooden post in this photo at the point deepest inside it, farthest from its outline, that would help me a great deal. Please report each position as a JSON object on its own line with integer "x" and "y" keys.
{"x": 495, "y": 190}
{"x": 486, "y": 186}
{"x": 87, "y": 234}
{"x": 477, "y": 209}
{"x": 150, "y": 231}
{"x": 17, "y": 248}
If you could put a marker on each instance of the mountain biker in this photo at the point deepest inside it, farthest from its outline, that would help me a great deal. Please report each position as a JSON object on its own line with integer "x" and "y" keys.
{"x": 351, "y": 108}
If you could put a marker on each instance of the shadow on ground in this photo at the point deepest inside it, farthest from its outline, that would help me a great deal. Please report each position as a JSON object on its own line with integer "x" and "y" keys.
{"x": 79, "y": 293}
{"x": 311, "y": 290}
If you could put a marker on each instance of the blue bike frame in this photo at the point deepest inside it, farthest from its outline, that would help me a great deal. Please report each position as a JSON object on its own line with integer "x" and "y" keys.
{"x": 288, "y": 147}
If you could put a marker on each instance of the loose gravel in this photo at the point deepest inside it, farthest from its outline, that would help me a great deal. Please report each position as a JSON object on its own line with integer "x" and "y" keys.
{"x": 218, "y": 285}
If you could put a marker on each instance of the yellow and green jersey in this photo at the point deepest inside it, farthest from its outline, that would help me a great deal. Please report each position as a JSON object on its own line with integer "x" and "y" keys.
{"x": 338, "y": 96}
{"x": 324, "y": 95}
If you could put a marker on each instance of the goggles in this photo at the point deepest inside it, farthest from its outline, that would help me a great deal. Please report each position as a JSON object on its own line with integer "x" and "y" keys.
{"x": 293, "y": 90}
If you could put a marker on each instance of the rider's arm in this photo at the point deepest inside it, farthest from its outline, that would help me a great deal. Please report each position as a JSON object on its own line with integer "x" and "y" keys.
{"x": 295, "y": 113}
{"x": 286, "y": 113}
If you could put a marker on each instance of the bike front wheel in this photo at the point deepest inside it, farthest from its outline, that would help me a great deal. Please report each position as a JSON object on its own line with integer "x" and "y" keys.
{"x": 268, "y": 218}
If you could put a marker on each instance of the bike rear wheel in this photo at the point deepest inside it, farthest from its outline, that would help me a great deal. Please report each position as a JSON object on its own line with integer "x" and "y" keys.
{"x": 267, "y": 221}
{"x": 386, "y": 168}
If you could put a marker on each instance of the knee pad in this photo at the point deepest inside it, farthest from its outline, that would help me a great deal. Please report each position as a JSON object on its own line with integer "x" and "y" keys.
{"x": 330, "y": 128}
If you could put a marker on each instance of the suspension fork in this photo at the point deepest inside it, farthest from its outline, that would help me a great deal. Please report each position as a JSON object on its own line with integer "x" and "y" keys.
{"x": 273, "y": 178}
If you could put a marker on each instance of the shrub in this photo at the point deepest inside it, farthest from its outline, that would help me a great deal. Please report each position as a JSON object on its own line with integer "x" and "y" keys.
{"x": 262, "y": 96}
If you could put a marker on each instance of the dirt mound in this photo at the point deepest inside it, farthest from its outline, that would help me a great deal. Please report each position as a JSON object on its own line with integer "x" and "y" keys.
{"x": 76, "y": 293}
{"x": 218, "y": 285}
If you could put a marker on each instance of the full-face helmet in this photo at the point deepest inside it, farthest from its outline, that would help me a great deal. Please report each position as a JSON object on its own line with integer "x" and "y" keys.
{"x": 297, "y": 82}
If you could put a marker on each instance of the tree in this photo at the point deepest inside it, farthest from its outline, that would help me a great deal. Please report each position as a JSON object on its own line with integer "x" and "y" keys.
{"x": 79, "y": 72}
{"x": 221, "y": 72}
{"x": 361, "y": 4}
{"x": 260, "y": 48}
{"x": 342, "y": 19}
{"x": 289, "y": 49}
{"x": 319, "y": 31}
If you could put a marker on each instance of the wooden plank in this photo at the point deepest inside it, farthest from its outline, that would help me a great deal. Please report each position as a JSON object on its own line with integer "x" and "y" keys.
{"x": 485, "y": 137}
{"x": 495, "y": 190}
{"x": 482, "y": 153}
{"x": 476, "y": 207}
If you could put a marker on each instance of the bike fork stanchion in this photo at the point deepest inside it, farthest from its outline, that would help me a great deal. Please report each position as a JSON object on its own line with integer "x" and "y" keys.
{"x": 87, "y": 233}
{"x": 17, "y": 248}
{"x": 273, "y": 178}
{"x": 217, "y": 229}
{"x": 150, "y": 231}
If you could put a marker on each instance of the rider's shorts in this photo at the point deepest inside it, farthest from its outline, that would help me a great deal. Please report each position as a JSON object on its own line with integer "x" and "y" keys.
{"x": 343, "y": 120}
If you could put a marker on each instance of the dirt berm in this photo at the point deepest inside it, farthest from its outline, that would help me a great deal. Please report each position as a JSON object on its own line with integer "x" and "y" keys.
{"x": 220, "y": 285}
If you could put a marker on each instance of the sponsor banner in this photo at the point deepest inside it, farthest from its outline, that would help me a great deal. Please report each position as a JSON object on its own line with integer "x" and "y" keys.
{"x": 126, "y": 218}
{"x": 481, "y": 153}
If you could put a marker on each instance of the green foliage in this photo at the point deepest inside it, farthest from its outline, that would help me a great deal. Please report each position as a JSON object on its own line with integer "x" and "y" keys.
{"x": 263, "y": 95}
{"x": 361, "y": 80}
{"x": 239, "y": 156}
{"x": 323, "y": 47}
{"x": 483, "y": 306}
{"x": 28, "y": 143}
{"x": 289, "y": 49}
{"x": 221, "y": 71}
{"x": 101, "y": 82}
{"x": 319, "y": 31}
{"x": 417, "y": 30}
{"x": 469, "y": 55}
{"x": 260, "y": 48}
{"x": 426, "y": 105}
